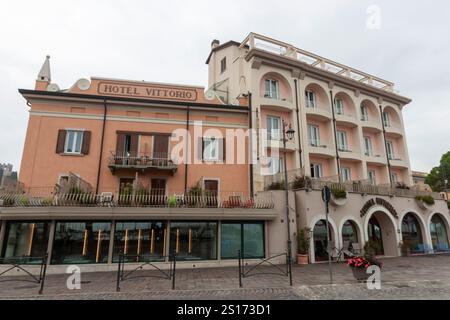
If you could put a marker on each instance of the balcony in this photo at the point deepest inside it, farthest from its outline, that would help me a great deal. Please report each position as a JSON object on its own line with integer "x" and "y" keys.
{"x": 397, "y": 161}
{"x": 371, "y": 125}
{"x": 277, "y": 143}
{"x": 349, "y": 153}
{"x": 374, "y": 157}
{"x": 346, "y": 120}
{"x": 316, "y": 112}
{"x": 322, "y": 150}
{"x": 275, "y": 103}
{"x": 156, "y": 198}
{"x": 144, "y": 162}
{"x": 394, "y": 131}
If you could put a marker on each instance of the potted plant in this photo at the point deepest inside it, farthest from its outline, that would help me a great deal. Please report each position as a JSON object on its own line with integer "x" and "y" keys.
{"x": 172, "y": 201}
{"x": 303, "y": 239}
{"x": 359, "y": 266}
{"x": 276, "y": 186}
{"x": 425, "y": 202}
{"x": 338, "y": 195}
{"x": 301, "y": 182}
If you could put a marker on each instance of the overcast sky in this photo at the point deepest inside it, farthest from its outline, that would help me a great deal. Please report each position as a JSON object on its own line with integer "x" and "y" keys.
{"x": 168, "y": 41}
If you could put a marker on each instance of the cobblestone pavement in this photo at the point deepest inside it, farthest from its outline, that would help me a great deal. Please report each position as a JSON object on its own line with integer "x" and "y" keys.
{"x": 421, "y": 277}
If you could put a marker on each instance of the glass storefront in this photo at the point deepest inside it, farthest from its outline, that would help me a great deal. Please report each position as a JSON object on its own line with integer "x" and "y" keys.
{"x": 26, "y": 239}
{"x": 81, "y": 242}
{"x": 194, "y": 240}
{"x": 349, "y": 233}
{"x": 374, "y": 232}
{"x": 144, "y": 238}
{"x": 247, "y": 237}
{"x": 439, "y": 236}
{"x": 411, "y": 233}
{"x": 321, "y": 240}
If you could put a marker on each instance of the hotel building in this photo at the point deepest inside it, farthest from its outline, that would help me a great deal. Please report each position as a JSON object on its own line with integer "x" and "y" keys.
{"x": 150, "y": 169}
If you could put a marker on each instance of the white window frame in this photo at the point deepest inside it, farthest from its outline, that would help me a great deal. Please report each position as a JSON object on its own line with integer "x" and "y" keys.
{"x": 394, "y": 177}
{"x": 371, "y": 174}
{"x": 312, "y": 128}
{"x": 77, "y": 133}
{"x": 310, "y": 99}
{"x": 364, "y": 113}
{"x": 275, "y": 165}
{"x": 273, "y": 134}
{"x": 368, "y": 151}
{"x": 209, "y": 144}
{"x": 339, "y": 106}
{"x": 390, "y": 150}
{"x": 342, "y": 140}
{"x": 317, "y": 169}
{"x": 346, "y": 174}
{"x": 271, "y": 92}
{"x": 386, "y": 120}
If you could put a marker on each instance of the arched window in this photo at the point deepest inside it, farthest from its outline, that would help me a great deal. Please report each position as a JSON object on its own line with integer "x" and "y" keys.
{"x": 438, "y": 234}
{"x": 321, "y": 240}
{"x": 349, "y": 233}
{"x": 411, "y": 232}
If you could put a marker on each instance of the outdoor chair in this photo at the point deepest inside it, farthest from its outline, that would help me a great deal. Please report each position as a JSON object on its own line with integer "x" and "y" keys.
{"x": 335, "y": 253}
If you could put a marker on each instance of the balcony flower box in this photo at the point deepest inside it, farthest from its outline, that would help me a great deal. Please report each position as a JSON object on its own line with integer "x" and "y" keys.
{"x": 359, "y": 266}
{"x": 425, "y": 202}
{"x": 338, "y": 196}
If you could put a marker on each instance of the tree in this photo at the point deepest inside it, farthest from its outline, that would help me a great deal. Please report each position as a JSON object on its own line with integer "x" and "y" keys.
{"x": 438, "y": 175}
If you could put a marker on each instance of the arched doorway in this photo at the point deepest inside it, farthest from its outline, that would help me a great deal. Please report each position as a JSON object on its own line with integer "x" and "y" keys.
{"x": 349, "y": 234}
{"x": 439, "y": 237}
{"x": 411, "y": 232}
{"x": 382, "y": 235}
{"x": 321, "y": 241}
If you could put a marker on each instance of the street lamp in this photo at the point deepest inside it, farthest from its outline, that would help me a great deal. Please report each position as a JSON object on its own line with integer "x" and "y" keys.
{"x": 288, "y": 134}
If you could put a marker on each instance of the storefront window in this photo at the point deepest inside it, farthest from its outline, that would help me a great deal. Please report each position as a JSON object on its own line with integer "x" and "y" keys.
{"x": 438, "y": 234}
{"x": 321, "y": 240}
{"x": 146, "y": 239}
{"x": 29, "y": 239}
{"x": 247, "y": 237}
{"x": 411, "y": 233}
{"x": 194, "y": 240}
{"x": 81, "y": 242}
{"x": 349, "y": 233}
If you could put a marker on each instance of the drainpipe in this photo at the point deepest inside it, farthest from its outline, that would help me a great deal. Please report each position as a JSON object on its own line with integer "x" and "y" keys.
{"x": 298, "y": 125}
{"x": 250, "y": 125}
{"x": 187, "y": 148}
{"x": 101, "y": 146}
{"x": 335, "y": 137}
{"x": 385, "y": 145}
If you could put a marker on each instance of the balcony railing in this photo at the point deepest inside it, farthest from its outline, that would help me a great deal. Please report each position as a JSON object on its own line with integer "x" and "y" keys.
{"x": 152, "y": 160}
{"x": 140, "y": 198}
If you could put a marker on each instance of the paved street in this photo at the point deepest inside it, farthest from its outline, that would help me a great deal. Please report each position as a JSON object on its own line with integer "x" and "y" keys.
{"x": 423, "y": 277}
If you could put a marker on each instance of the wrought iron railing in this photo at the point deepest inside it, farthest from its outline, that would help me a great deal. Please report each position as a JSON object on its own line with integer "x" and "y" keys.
{"x": 151, "y": 159}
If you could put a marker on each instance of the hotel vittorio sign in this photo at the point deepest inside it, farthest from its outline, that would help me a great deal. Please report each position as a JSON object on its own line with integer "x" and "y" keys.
{"x": 381, "y": 202}
{"x": 148, "y": 91}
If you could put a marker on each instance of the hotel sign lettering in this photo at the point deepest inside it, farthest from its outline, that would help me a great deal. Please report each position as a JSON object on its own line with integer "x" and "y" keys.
{"x": 381, "y": 202}
{"x": 147, "y": 91}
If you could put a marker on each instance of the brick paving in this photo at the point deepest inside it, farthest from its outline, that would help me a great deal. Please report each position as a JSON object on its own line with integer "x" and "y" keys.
{"x": 421, "y": 277}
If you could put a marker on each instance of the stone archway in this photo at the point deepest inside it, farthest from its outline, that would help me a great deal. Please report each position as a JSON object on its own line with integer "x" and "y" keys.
{"x": 318, "y": 239}
{"x": 414, "y": 235}
{"x": 382, "y": 230}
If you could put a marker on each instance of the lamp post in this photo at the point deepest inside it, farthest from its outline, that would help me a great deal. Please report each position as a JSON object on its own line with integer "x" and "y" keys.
{"x": 288, "y": 134}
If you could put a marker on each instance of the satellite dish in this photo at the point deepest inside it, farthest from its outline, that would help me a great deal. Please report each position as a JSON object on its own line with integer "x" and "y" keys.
{"x": 210, "y": 95}
{"x": 83, "y": 84}
{"x": 53, "y": 87}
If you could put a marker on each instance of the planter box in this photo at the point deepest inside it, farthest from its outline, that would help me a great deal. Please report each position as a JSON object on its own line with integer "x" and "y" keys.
{"x": 302, "y": 259}
{"x": 360, "y": 274}
{"x": 422, "y": 205}
{"x": 338, "y": 202}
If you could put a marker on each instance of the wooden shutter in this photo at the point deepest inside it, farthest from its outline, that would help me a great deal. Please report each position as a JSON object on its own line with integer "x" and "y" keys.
{"x": 161, "y": 146}
{"x": 61, "y": 141}
{"x": 134, "y": 145}
{"x": 222, "y": 150}
{"x": 120, "y": 145}
{"x": 86, "y": 142}
{"x": 200, "y": 148}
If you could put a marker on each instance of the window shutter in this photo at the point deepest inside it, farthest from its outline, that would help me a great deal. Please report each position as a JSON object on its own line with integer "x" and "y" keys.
{"x": 61, "y": 141}
{"x": 200, "y": 148}
{"x": 134, "y": 145}
{"x": 86, "y": 142}
{"x": 222, "y": 149}
{"x": 120, "y": 145}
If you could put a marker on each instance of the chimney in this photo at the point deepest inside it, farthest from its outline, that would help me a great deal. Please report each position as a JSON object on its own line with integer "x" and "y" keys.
{"x": 215, "y": 43}
{"x": 44, "y": 76}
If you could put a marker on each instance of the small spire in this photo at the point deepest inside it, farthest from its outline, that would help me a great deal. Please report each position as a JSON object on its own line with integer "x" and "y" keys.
{"x": 44, "y": 74}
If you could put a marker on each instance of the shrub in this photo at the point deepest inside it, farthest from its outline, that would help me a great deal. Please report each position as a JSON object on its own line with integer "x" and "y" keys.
{"x": 172, "y": 201}
{"x": 370, "y": 249}
{"x": 338, "y": 193}
{"x": 47, "y": 202}
{"x": 301, "y": 182}
{"x": 426, "y": 199}
{"x": 303, "y": 239}
{"x": 23, "y": 200}
{"x": 276, "y": 186}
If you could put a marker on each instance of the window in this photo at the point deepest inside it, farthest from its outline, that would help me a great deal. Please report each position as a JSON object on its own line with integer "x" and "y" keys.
{"x": 273, "y": 128}
{"x": 194, "y": 240}
{"x": 372, "y": 179}
{"x": 210, "y": 149}
{"x": 316, "y": 170}
{"x": 246, "y": 237}
{"x": 342, "y": 141}
{"x": 223, "y": 65}
{"x": 313, "y": 135}
{"x": 339, "y": 106}
{"x": 275, "y": 165}
{"x": 74, "y": 141}
{"x": 364, "y": 113}
{"x": 346, "y": 174}
{"x": 349, "y": 233}
{"x": 271, "y": 89}
{"x": 310, "y": 99}
{"x": 386, "y": 120}
{"x": 394, "y": 178}
{"x": 81, "y": 242}
{"x": 367, "y": 146}
{"x": 390, "y": 150}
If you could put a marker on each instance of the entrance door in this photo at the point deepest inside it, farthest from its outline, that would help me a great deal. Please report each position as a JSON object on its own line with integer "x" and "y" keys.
{"x": 374, "y": 230}
{"x": 158, "y": 191}
{"x": 211, "y": 192}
